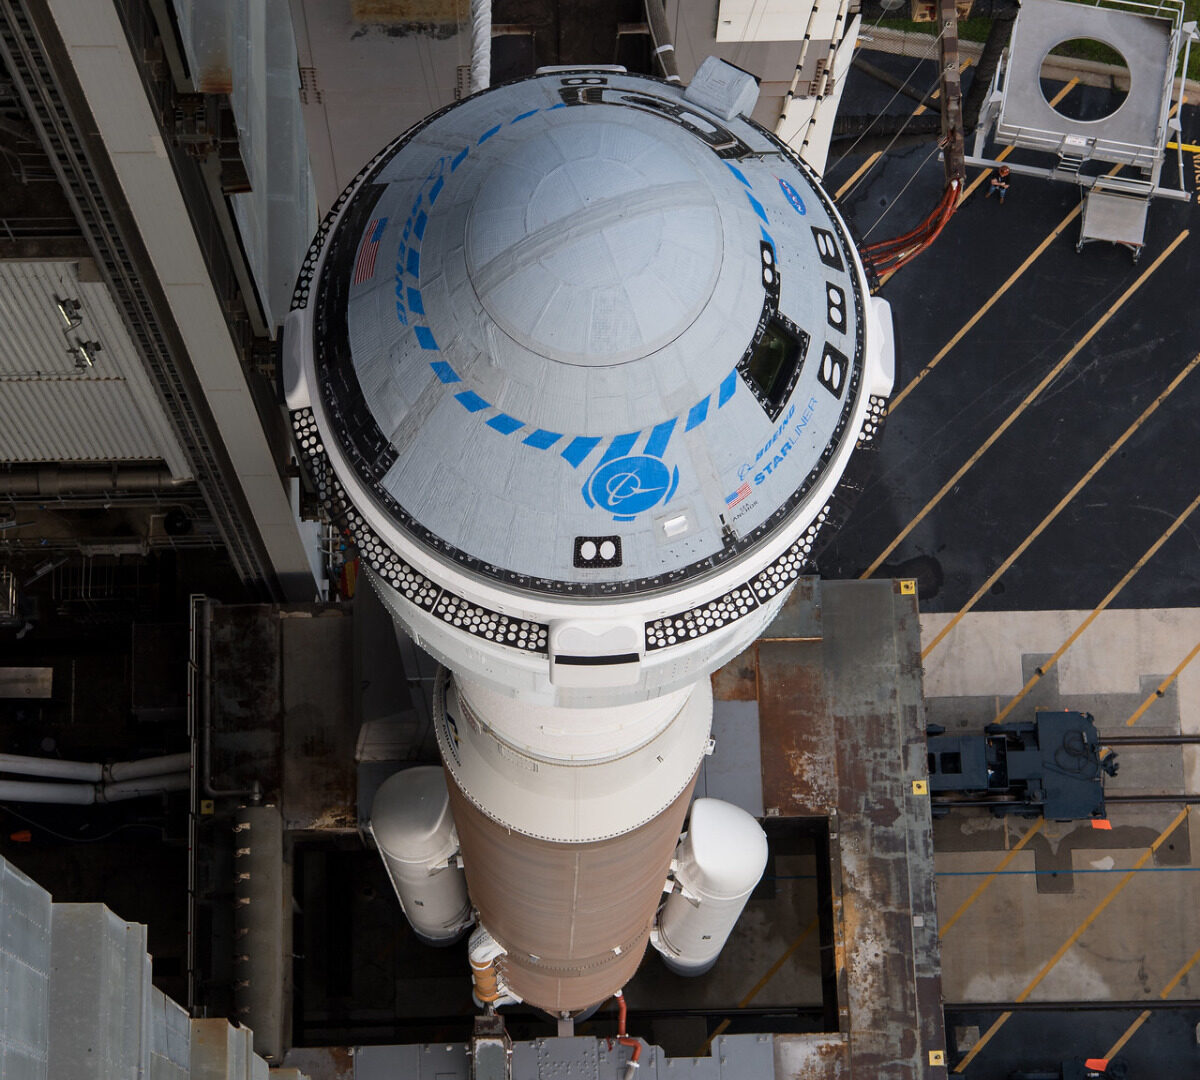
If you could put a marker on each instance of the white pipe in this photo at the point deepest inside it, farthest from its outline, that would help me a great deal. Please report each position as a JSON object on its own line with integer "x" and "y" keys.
{"x": 86, "y": 794}
{"x": 92, "y": 771}
{"x": 23, "y": 791}
{"x": 146, "y": 785}
{"x": 718, "y": 863}
{"x": 151, "y": 766}
{"x": 481, "y": 45}
{"x": 61, "y": 770}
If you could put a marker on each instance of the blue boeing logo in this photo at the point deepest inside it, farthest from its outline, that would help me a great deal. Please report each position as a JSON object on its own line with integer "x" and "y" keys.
{"x": 628, "y": 485}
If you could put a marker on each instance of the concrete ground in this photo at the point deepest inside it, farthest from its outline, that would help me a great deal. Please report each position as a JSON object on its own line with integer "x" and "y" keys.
{"x": 1035, "y": 480}
{"x": 1063, "y": 912}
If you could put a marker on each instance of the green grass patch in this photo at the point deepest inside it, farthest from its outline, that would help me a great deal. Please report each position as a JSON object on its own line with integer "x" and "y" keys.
{"x": 976, "y": 29}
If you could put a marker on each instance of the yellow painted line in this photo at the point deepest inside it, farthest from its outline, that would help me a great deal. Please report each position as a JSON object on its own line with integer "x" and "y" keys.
{"x": 1126, "y": 878}
{"x": 1130, "y": 1031}
{"x": 1112, "y": 593}
{"x": 1008, "y": 149}
{"x": 970, "y": 323}
{"x": 1162, "y": 686}
{"x": 974, "y": 184}
{"x": 1164, "y": 993}
{"x": 1190, "y": 148}
{"x": 1029, "y": 399}
{"x": 990, "y": 878}
{"x": 988, "y": 305}
{"x": 1079, "y": 932}
{"x": 1107, "y": 456}
{"x": 857, "y": 173}
{"x": 757, "y": 988}
{"x": 984, "y": 1039}
{"x": 1191, "y": 962}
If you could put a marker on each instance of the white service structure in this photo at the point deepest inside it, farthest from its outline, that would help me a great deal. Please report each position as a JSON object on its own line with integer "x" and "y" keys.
{"x": 580, "y": 363}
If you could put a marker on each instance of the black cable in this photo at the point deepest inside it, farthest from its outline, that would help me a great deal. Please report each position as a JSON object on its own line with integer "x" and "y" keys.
{"x": 82, "y": 839}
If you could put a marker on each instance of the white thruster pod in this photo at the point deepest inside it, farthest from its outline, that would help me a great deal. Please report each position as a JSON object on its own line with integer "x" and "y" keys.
{"x": 580, "y": 363}
{"x": 414, "y": 832}
{"x": 720, "y": 860}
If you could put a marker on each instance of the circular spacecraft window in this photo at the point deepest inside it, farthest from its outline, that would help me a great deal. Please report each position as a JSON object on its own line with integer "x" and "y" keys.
{"x": 1085, "y": 104}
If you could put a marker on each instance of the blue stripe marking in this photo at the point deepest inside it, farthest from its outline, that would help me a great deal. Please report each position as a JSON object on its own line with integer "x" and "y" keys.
{"x": 459, "y": 158}
{"x": 419, "y": 227}
{"x": 758, "y": 207}
{"x": 485, "y": 136}
{"x": 436, "y": 190}
{"x": 656, "y": 445}
{"x": 524, "y": 115}
{"x": 542, "y": 439}
{"x": 444, "y": 371}
{"x": 738, "y": 173}
{"x": 560, "y": 105}
{"x": 413, "y": 266}
{"x": 620, "y": 446}
{"x": 728, "y": 386}
{"x": 768, "y": 238}
{"x": 505, "y": 424}
{"x": 697, "y": 415}
{"x": 425, "y": 337}
{"x": 579, "y": 448}
{"x": 471, "y": 401}
{"x": 415, "y": 304}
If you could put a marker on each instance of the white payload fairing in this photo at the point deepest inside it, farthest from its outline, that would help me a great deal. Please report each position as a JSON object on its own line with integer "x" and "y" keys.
{"x": 579, "y": 362}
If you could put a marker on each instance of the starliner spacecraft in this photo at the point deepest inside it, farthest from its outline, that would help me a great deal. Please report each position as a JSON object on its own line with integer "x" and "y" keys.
{"x": 579, "y": 362}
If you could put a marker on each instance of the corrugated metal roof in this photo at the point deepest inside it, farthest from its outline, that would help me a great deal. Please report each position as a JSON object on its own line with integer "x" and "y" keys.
{"x": 50, "y": 410}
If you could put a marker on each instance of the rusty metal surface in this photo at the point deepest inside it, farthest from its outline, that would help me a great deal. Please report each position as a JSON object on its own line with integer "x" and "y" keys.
{"x": 282, "y": 708}
{"x": 319, "y": 733}
{"x": 247, "y": 712}
{"x": 322, "y": 1062}
{"x": 798, "y": 743}
{"x": 800, "y": 616}
{"x": 842, "y": 727}
{"x": 737, "y": 680}
{"x": 811, "y": 1057}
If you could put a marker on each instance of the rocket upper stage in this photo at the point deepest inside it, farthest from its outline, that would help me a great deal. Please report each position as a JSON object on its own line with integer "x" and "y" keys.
{"x": 580, "y": 337}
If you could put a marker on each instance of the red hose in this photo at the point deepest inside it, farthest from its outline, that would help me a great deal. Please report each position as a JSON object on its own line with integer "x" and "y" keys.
{"x": 900, "y": 241}
{"x": 903, "y": 249}
{"x": 622, "y": 1037}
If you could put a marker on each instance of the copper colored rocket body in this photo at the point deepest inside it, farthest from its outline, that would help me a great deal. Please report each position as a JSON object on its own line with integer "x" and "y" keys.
{"x": 575, "y": 918}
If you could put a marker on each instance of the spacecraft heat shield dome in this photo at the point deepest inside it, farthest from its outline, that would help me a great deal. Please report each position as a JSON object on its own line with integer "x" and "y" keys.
{"x": 574, "y": 337}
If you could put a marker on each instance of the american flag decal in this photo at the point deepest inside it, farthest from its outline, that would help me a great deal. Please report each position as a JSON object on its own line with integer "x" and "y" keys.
{"x": 364, "y": 269}
{"x": 738, "y": 496}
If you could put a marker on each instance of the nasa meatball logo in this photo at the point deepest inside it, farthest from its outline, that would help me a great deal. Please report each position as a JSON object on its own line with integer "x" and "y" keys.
{"x": 793, "y": 196}
{"x": 626, "y": 486}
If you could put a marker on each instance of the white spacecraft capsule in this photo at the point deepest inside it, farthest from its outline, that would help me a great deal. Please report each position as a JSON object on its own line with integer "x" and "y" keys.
{"x": 579, "y": 362}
